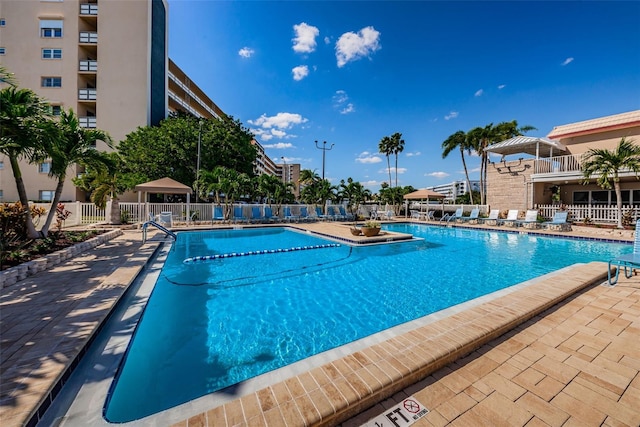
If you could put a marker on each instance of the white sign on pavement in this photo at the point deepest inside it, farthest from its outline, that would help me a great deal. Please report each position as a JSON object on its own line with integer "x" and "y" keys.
{"x": 403, "y": 414}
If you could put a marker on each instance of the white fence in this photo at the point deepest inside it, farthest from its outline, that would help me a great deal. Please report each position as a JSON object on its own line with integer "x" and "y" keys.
{"x": 132, "y": 212}
{"x": 593, "y": 213}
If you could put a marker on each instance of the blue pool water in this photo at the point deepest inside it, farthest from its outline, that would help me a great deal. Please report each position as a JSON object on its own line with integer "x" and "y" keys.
{"x": 211, "y": 324}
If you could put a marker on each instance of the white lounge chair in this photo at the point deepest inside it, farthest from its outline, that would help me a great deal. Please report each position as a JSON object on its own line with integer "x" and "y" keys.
{"x": 511, "y": 218}
{"x": 456, "y": 215}
{"x": 559, "y": 221}
{"x": 473, "y": 216}
{"x": 629, "y": 262}
{"x": 531, "y": 218}
{"x": 493, "y": 216}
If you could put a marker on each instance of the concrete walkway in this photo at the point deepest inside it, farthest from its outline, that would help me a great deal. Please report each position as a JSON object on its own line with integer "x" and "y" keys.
{"x": 48, "y": 319}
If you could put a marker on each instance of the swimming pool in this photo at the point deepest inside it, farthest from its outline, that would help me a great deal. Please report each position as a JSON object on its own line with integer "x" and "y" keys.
{"x": 215, "y": 323}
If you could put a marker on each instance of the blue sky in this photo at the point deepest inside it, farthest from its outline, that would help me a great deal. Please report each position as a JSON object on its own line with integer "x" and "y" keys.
{"x": 350, "y": 73}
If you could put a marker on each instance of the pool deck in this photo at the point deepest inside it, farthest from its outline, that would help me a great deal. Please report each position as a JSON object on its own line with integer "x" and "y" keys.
{"x": 562, "y": 350}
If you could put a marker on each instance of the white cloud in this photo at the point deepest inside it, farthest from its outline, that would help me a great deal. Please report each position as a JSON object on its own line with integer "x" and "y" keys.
{"x": 439, "y": 175}
{"x": 300, "y": 72}
{"x": 341, "y": 102}
{"x": 278, "y": 133}
{"x": 417, "y": 153}
{"x": 279, "y": 146}
{"x": 567, "y": 61}
{"x": 351, "y": 46}
{"x": 280, "y": 121}
{"x": 327, "y": 40}
{"x": 349, "y": 108}
{"x": 305, "y": 39}
{"x": 501, "y": 86}
{"x": 371, "y": 183}
{"x": 246, "y": 52}
{"x": 451, "y": 115}
{"x": 368, "y": 158}
{"x": 479, "y": 92}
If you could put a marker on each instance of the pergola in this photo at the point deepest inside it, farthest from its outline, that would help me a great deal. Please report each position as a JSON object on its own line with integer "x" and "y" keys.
{"x": 162, "y": 186}
{"x": 424, "y": 194}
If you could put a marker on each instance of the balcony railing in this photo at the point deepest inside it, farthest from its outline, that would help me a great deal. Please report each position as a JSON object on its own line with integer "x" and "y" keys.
{"x": 87, "y": 94}
{"x": 88, "y": 65}
{"x": 88, "y": 9}
{"x": 88, "y": 37}
{"x": 89, "y": 122}
{"x": 558, "y": 164}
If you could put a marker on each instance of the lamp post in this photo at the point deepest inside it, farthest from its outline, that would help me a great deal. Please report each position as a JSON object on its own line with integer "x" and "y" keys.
{"x": 198, "y": 162}
{"x": 324, "y": 150}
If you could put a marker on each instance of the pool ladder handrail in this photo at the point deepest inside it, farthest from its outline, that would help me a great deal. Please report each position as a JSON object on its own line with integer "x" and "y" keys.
{"x": 159, "y": 227}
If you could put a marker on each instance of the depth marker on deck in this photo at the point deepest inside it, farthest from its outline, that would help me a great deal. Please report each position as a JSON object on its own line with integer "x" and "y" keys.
{"x": 403, "y": 414}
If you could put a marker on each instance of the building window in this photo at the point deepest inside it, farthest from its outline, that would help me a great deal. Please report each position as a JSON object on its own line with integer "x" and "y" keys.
{"x": 51, "y": 53}
{"x": 51, "y": 28}
{"x": 1, "y": 165}
{"x": 44, "y": 167}
{"x": 2, "y": 51}
{"x": 580, "y": 197}
{"x": 1, "y": 195}
{"x": 3, "y": 22}
{"x": 52, "y": 82}
{"x": 46, "y": 195}
{"x": 55, "y": 110}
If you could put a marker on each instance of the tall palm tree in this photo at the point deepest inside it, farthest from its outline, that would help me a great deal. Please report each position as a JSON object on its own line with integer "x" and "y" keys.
{"x": 397, "y": 147}
{"x": 607, "y": 165}
{"x": 459, "y": 140}
{"x": 24, "y": 125}
{"x": 72, "y": 145}
{"x": 7, "y": 77}
{"x": 385, "y": 147}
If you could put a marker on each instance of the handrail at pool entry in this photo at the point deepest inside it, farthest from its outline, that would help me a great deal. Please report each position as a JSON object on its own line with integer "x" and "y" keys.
{"x": 262, "y": 252}
{"x": 159, "y": 227}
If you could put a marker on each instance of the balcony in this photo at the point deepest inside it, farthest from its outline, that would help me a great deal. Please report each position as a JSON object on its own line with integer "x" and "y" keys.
{"x": 88, "y": 9}
{"x": 88, "y": 65}
{"x": 558, "y": 164}
{"x": 88, "y": 122}
{"x": 88, "y": 94}
{"x": 88, "y": 37}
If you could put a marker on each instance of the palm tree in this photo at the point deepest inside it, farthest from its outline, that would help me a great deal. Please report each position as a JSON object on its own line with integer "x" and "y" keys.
{"x": 23, "y": 126}
{"x": 385, "y": 147}
{"x": 7, "y": 77}
{"x": 397, "y": 146}
{"x": 355, "y": 193}
{"x": 460, "y": 141}
{"x": 72, "y": 145}
{"x": 607, "y": 165}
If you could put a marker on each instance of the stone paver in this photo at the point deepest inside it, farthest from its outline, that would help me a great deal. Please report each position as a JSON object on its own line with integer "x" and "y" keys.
{"x": 575, "y": 363}
{"x": 48, "y": 319}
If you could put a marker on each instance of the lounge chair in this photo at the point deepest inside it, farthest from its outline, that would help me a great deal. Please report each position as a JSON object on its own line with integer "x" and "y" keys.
{"x": 319, "y": 213}
{"x": 558, "y": 222}
{"x": 629, "y": 262}
{"x": 346, "y": 215}
{"x": 415, "y": 214}
{"x": 511, "y": 218}
{"x": 493, "y": 216}
{"x": 218, "y": 214}
{"x": 238, "y": 215}
{"x": 256, "y": 215}
{"x": 288, "y": 216}
{"x": 456, "y": 215}
{"x": 304, "y": 214}
{"x": 332, "y": 214}
{"x": 473, "y": 216}
{"x": 268, "y": 214}
{"x": 530, "y": 218}
{"x": 166, "y": 219}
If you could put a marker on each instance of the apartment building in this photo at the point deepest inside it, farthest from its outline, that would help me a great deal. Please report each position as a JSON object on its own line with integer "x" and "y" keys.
{"x": 455, "y": 189}
{"x": 549, "y": 170}
{"x": 106, "y": 60}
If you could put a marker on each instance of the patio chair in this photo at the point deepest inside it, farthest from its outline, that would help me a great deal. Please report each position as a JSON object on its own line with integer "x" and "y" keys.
{"x": 319, "y": 213}
{"x": 304, "y": 214}
{"x": 238, "y": 215}
{"x": 558, "y": 222}
{"x": 473, "y": 216}
{"x": 415, "y": 214}
{"x": 456, "y": 215}
{"x": 288, "y": 216}
{"x": 511, "y": 218}
{"x": 332, "y": 214}
{"x": 268, "y": 214}
{"x": 218, "y": 214}
{"x": 530, "y": 218}
{"x": 256, "y": 215}
{"x": 629, "y": 262}
{"x": 493, "y": 216}
{"x": 346, "y": 215}
{"x": 431, "y": 216}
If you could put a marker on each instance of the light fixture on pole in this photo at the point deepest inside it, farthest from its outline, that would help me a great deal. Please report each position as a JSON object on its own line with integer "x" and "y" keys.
{"x": 198, "y": 162}
{"x": 324, "y": 150}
